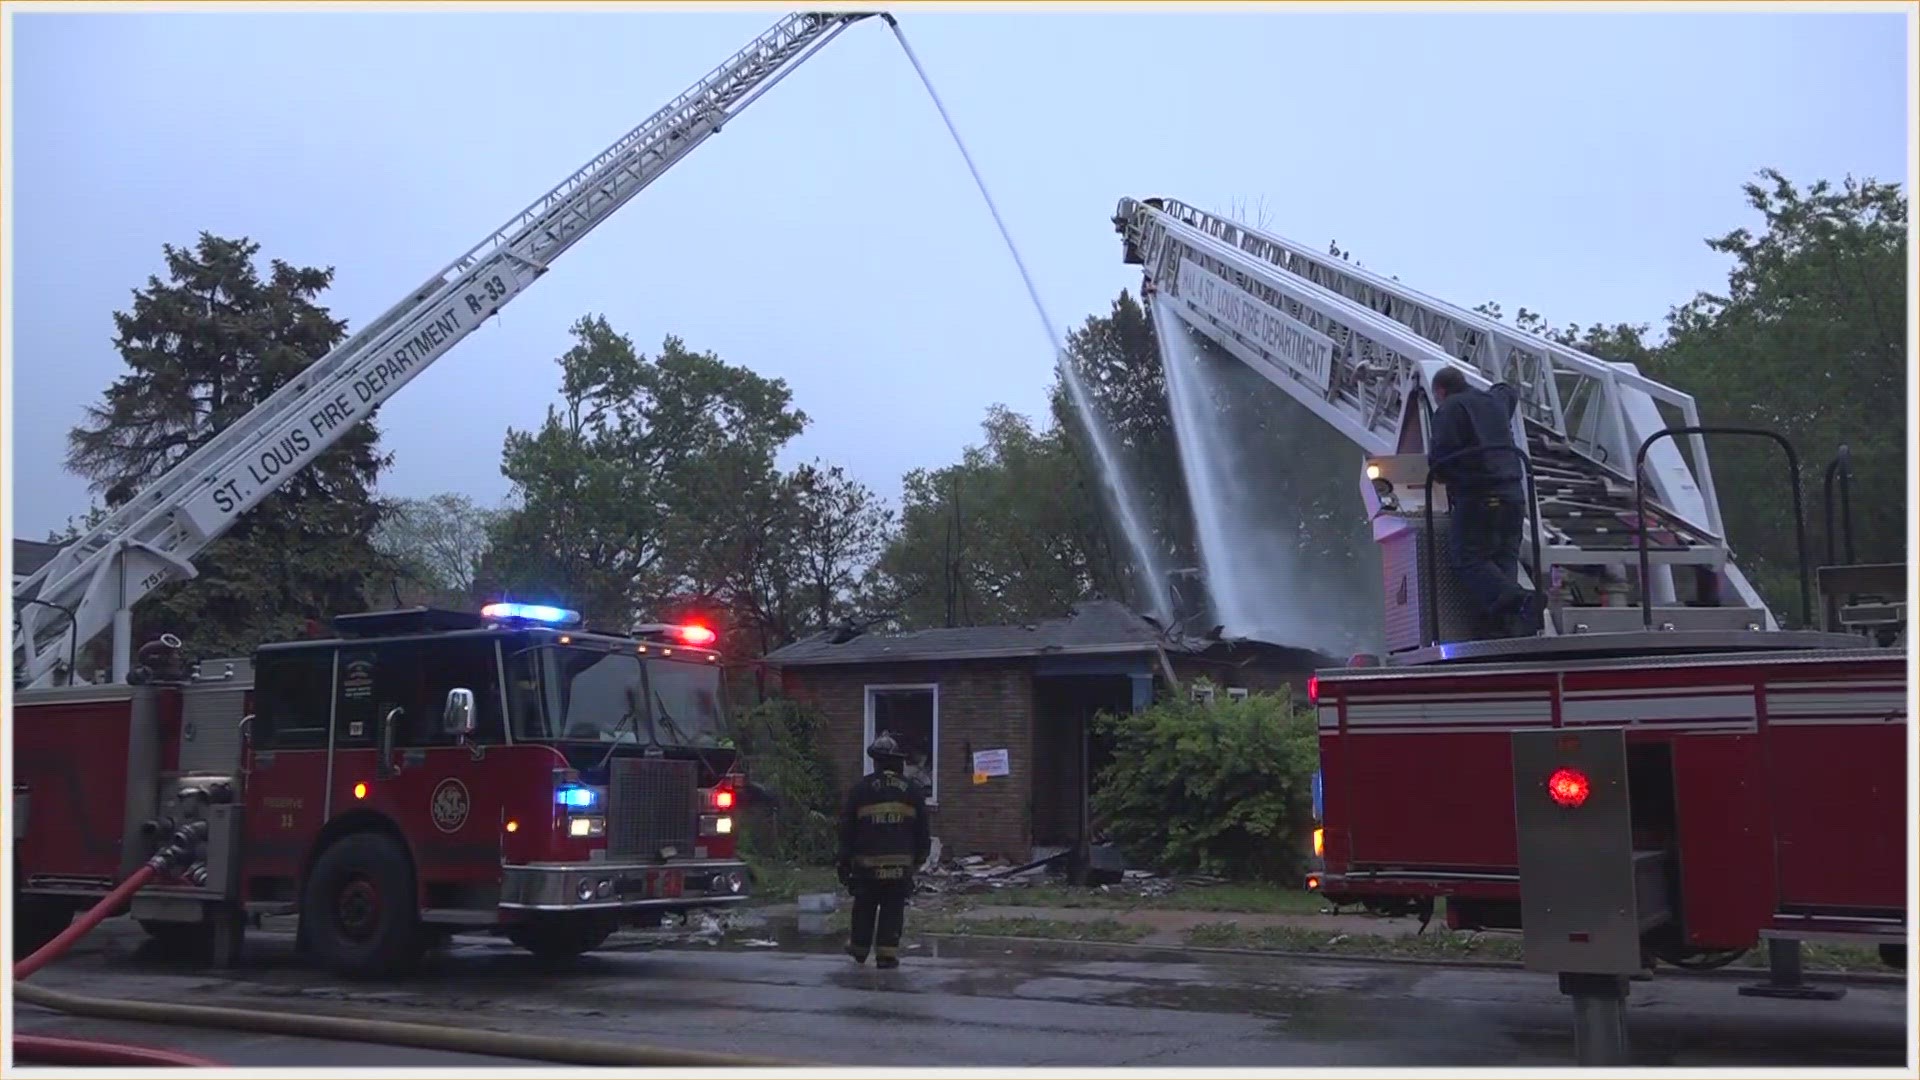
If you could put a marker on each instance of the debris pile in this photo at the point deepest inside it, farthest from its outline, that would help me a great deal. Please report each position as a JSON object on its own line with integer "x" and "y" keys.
{"x": 972, "y": 874}
{"x": 975, "y": 874}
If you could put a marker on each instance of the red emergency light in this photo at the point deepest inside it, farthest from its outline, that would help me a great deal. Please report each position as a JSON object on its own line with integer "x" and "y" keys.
{"x": 1313, "y": 689}
{"x": 723, "y": 798}
{"x": 1568, "y": 787}
{"x": 695, "y": 634}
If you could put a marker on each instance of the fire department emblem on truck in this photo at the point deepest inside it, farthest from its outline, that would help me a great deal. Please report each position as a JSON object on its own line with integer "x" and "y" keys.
{"x": 450, "y": 805}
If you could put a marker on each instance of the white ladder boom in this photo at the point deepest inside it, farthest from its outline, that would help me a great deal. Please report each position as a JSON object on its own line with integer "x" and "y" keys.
{"x": 153, "y": 538}
{"x": 1357, "y": 349}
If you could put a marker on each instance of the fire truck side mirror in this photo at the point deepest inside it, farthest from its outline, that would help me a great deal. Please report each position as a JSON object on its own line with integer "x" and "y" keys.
{"x": 459, "y": 717}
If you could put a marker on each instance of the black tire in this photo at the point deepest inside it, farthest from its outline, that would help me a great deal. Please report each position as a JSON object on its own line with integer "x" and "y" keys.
{"x": 359, "y": 912}
{"x": 1894, "y": 956}
{"x": 562, "y": 938}
{"x": 36, "y": 921}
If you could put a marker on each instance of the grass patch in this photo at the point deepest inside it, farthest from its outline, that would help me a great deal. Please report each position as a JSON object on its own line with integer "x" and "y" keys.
{"x": 1435, "y": 944}
{"x": 1439, "y": 943}
{"x": 777, "y": 884}
{"x": 1056, "y": 929}
{"x": 1238, "y": 897}
{"x": 1826, "y": 958}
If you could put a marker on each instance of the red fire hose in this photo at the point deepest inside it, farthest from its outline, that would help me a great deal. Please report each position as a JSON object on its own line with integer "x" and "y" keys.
{"x": 47, "y": 1050}
{"x": 39, "y": 1049}
{"x": 111, "y": 903}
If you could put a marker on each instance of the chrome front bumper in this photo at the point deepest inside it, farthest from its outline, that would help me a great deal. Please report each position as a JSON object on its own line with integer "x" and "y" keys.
{"x": 621, "y": 886}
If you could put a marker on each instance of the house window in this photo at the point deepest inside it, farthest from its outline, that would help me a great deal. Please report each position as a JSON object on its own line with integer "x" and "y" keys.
{"x": 1202, "y": 693}
{"x": 911, "y": 714}
{"x": 1236, "y": 693}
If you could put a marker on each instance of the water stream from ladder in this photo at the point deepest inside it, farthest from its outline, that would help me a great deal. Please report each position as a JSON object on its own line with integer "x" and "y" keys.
{"x": 1146, "y": 555}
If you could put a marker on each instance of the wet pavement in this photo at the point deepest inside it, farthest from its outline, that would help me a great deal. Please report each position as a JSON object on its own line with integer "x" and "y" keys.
{"x": 977, "y": 1002}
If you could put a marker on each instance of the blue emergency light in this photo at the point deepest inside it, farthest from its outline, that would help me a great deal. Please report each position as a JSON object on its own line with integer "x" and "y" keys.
{"x": 576, "y": 798}
{"x": 543, "y": 613}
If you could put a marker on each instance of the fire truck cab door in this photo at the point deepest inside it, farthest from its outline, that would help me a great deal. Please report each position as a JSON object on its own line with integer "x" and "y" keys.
{"x": 443, "y": 791}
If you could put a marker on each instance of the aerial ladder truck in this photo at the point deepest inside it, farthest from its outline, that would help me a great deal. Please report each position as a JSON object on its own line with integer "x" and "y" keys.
{"x": 1664, "y": 771}
{"x": 421, "y": 770}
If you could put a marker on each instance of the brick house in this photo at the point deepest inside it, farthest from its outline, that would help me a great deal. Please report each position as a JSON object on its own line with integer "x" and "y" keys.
{"x": 1017, "y": 701}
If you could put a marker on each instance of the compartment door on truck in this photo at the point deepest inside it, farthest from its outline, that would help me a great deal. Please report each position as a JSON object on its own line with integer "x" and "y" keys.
{"x": 286, "y": 789}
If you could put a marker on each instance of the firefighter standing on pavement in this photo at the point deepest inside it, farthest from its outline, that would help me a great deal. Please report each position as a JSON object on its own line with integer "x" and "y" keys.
{"x": 884, "y": 836}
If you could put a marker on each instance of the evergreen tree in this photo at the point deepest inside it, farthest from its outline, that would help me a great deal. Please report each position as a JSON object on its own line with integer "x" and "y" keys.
{"x": 202, "y": 349}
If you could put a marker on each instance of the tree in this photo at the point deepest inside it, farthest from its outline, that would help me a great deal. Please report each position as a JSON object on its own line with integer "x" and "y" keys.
{"x": 647, "y": 468}
{"x": 1010, "y": 534}
{"x": 203, "y": 348}
{"x": 437, "y": 543}
{"x": 837, "y": 530}
{"x": 1807, "y": 339}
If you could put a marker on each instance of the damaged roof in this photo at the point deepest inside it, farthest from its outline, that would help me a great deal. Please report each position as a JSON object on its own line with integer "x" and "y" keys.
{"x": 31, "y": 555}
{"x": 1093, "y": 627}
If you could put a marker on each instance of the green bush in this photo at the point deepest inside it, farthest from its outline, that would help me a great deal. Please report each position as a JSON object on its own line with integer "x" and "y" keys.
{"x": 778, "y": 739}
{"x": 1223, "y": 788}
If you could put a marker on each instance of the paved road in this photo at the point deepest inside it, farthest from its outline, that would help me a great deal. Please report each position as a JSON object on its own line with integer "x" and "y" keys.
{"x": 981, "y": 1003}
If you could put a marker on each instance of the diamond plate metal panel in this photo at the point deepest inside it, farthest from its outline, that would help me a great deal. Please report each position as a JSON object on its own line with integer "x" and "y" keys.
{"x": 210, "y": 728}
{"x": 1403, "y": 564}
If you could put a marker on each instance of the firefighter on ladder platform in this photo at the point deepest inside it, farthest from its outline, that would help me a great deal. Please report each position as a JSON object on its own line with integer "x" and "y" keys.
{"x": 884, "y": 836}
{"x": 1487, "y": 500}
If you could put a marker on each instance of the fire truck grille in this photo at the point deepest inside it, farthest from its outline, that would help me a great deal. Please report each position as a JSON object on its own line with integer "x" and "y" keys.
{"x": 652, "y": 804}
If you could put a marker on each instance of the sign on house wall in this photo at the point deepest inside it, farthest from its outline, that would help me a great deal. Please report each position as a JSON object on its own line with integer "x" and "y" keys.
{"x": 991, "y": 763}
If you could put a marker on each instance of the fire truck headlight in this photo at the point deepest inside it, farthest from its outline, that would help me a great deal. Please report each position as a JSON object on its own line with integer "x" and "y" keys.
{"x": 735, "y": 882}
{"x": 715, "y": 824}
{"x": 605, "y": 889}
{"x": 586, "y": 890}
{"x": 723, "y": 826}
{"x": 586, "y": 826}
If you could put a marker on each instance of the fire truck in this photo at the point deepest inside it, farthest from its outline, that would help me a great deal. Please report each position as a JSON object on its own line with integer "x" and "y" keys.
{"x": 1664, "y": 771}
{"x": 419, "y": 770}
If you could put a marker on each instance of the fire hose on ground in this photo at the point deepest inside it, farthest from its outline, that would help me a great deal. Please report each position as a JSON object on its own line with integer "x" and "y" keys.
{"x": 56, "y": 1051}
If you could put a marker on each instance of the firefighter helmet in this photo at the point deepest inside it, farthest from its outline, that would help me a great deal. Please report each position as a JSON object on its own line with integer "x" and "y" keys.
{"x": 884, "y": 749}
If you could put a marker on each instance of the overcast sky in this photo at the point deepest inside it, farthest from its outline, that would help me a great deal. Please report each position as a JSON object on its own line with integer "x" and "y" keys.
{"x": 831, "y": 236}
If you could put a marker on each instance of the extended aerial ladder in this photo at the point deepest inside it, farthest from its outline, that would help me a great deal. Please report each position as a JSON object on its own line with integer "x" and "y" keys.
{"x": 152, "y": 539}
{"x": 1357, "y": 349}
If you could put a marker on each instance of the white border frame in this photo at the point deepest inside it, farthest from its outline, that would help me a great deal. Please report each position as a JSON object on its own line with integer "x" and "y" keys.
{"x": 866, "y": 740}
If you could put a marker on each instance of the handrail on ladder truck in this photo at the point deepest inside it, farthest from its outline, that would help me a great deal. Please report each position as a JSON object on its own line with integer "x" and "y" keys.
{"x": 1841, "y": 467}
{"x": 154, "y": 537}
{"x": 1640, "y": 509}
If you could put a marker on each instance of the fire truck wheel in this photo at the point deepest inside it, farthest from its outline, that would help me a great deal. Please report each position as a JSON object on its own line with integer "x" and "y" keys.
{"x": 359, "y": 910}
{"x": 561, "y": 939}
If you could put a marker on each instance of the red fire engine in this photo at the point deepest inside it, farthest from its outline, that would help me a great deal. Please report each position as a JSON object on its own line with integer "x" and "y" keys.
{"x": 1663, "y": 772}
{"x": 420, "y": 771}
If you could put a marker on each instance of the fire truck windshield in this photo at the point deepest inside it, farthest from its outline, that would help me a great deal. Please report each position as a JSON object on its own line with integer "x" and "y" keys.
{"x": 587, "y": 695}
